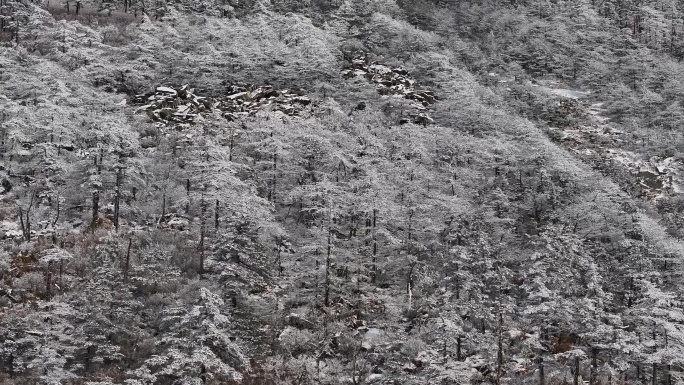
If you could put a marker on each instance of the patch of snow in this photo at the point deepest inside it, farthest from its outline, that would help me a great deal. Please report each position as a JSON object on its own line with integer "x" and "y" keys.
{"x": 475, "y": 361}
{"x": 9, "y": 229}
{"x": 167, "y": 90}
{"x": 54, "y": 255}
{"x": 515, "y": 333}
{"x": 521, "y": 365}
{"x": 596, "y": 110}
{"x": 373, "y": 334}
{"x": 178, "y": 223}
{"x": 626, "y": 158}
{"x": 570, "y": 94}
{"x": 572, "y": 354}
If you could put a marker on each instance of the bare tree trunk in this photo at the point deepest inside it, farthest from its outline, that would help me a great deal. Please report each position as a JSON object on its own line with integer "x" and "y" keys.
{"x": 273, "y": 178}
{"x": 216, "y": 215}
{"x": 409, "y": 284}
{"x": 163, "y": 213}
{"x": 25, "y": 232}
{"x": 127, "y": 264}
{"x": 203, "y": 226}
{"x": 327, "y": 259}
{"x": 201, "y": 247}
{"x": 231, "y": 145}
{"x": 187, "y": 193}
{"x": 594, "y": 364}
{"x": 499, "y": 354}
{"x": 444, "y": 342}
{"x": 374, "y": 273}
{"x": 575, "y": 380}
{"x": 96, "y": 197}
{"x": 96, "y": 208}
{"x": 48, "y": 283}
{"x": 25, "y": 219}
{"x": 61, "y": 272}
{"x": 16, "y": 32}
{"x": 117, "y": 198}
{"x": 280, "y": 262}
{"x": 54, "y": 222}
{"x": 409, "y": 235}
{"x": 458, "y": 348}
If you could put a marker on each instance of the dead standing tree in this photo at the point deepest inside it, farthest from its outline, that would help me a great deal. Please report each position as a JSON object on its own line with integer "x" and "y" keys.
{"x": 25, "y": 219}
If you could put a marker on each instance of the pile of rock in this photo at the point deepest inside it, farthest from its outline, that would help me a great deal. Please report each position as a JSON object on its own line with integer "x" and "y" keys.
{"x": 398, "y": 82}
{"x": 171, "y": 105}
{"x": 247, "y": 100}
{"x": 568, "y": 112}
{"x": 181, "y": 105}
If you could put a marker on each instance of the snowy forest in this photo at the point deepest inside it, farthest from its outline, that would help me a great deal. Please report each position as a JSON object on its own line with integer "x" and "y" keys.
{"x": 409, "y": 192}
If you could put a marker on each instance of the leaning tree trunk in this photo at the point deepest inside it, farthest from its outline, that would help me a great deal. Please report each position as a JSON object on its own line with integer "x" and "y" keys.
{"x": 127, "y": 263}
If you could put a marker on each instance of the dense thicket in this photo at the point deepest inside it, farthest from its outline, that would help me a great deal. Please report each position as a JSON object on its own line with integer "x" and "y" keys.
{"x": 530, "y": 234}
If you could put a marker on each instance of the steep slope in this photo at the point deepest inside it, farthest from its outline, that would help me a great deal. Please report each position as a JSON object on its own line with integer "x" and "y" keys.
{"x": 334, "y": 245}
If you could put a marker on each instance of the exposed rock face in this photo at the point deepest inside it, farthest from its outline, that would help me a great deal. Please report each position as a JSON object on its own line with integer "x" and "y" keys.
{"x": 396, "y": 82}
{"x": 181, "y": 105}
{"x": 169, "y": 105}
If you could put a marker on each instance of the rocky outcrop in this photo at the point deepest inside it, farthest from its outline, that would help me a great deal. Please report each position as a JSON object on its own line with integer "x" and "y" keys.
{"x": 396, "y": 82}
{"x": 181, "y": 105}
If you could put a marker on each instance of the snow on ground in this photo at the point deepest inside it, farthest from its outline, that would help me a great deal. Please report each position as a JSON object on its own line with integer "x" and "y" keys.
{"x": 656, "y": 176}
{"x": 596, "y": 110}
{"x": 9, "y": 229}
{"x": 568, "y": 93}
{"x": 553, "y": 87}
